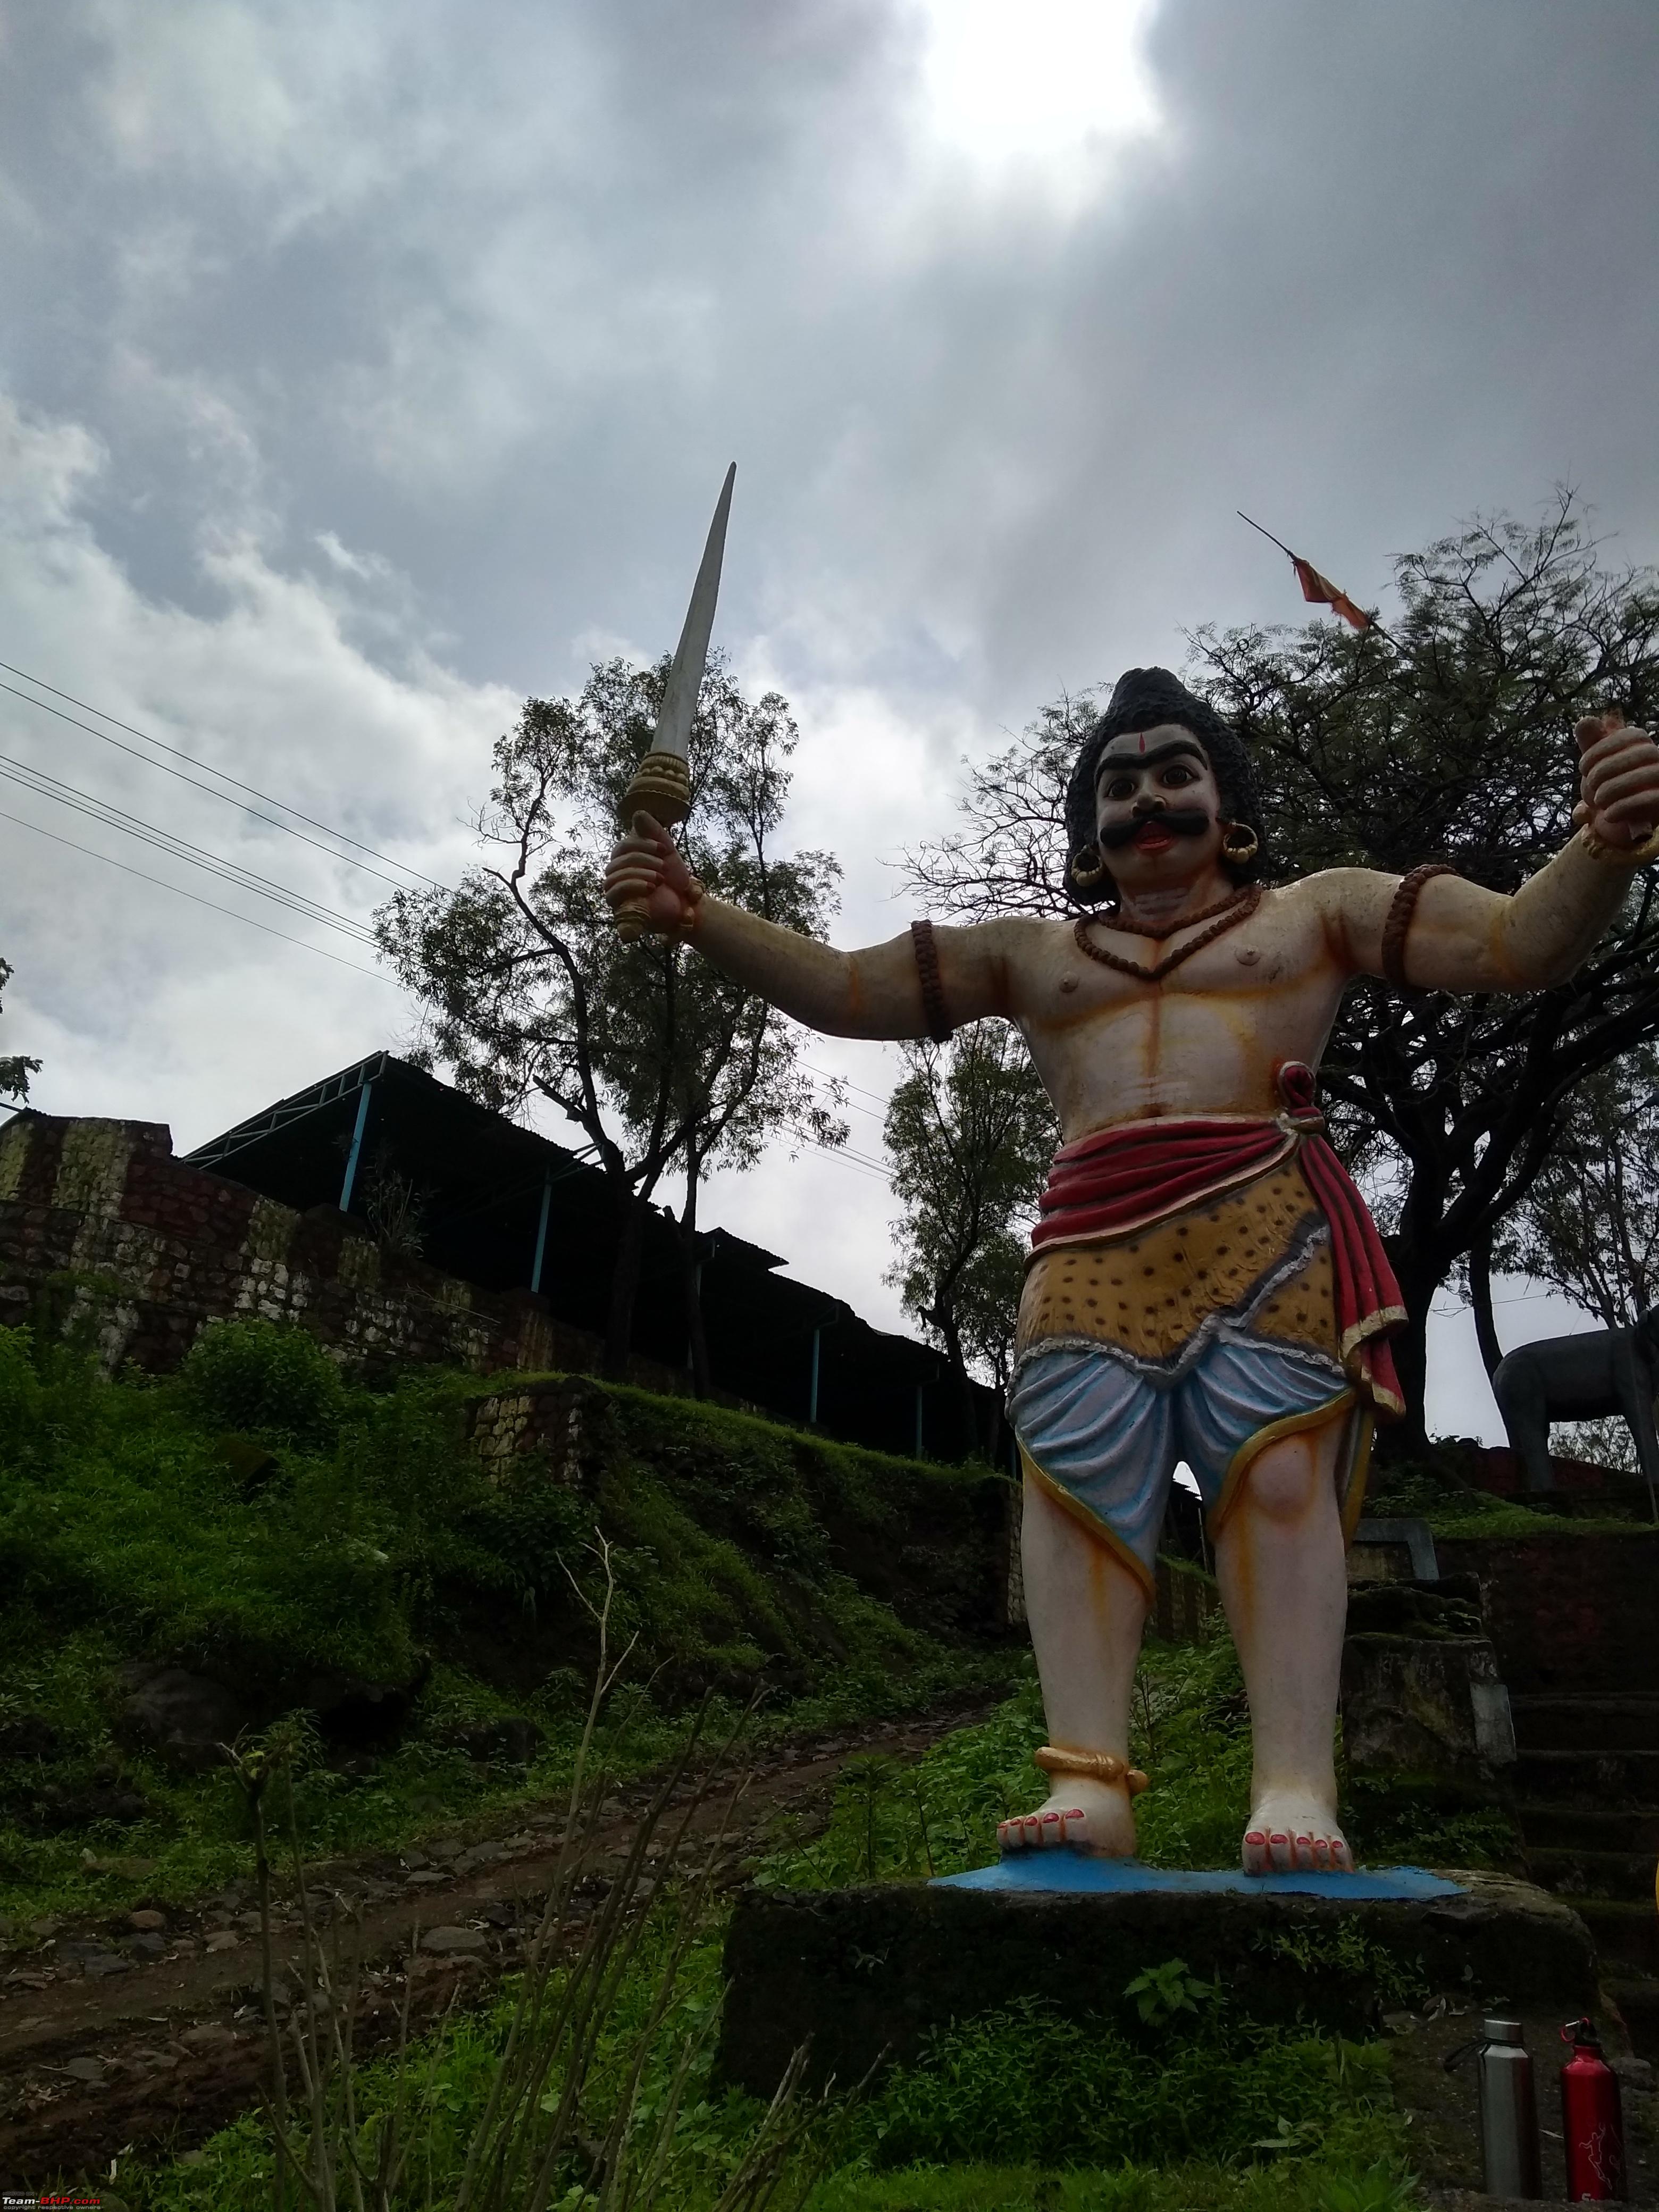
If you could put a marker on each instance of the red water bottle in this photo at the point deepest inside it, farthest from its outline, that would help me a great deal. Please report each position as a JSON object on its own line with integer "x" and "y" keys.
{"x": 1592, "y": 2120}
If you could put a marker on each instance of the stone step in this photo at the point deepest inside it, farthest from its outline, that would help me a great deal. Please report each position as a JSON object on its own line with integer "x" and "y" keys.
{"x": 1567, "y": 1828}
{"x": 1612, "y": 1780}
{"x": 1626, "y": 1931}
{"x": 1574, "y": 1875}
{"x": 1587, "y": 1723}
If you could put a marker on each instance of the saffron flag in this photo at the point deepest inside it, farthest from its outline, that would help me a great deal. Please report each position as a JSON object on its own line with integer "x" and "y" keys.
{"x": 1322, "y": 593}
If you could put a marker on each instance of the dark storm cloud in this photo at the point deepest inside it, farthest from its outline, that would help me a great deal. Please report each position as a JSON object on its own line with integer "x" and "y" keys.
{"x": 499, "y": 301}
{"x": 369, "y": 357}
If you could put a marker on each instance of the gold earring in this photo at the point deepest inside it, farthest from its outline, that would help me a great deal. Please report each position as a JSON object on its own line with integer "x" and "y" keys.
{"x": 1086, "y": 874}
{"x": 1239, "y": 843}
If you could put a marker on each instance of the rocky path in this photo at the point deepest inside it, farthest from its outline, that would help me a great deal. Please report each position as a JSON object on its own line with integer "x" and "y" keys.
{"x": 143, "y": 2032}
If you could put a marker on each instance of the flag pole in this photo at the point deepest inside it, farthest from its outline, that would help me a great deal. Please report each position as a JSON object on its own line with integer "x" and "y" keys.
{"x": 1328, "y": 594}
{"x": 1268, "y": 534}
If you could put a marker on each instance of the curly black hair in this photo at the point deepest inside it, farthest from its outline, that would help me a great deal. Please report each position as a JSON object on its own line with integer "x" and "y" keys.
{"x": 1141, "y": 699}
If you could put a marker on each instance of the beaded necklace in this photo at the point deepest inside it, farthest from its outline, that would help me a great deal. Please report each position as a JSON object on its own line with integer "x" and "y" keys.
{"x": 1238, "y": 907}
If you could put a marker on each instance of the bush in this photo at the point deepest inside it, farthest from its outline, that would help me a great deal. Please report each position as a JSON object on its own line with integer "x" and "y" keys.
{"x": 269, "y": 1381}
{"x": 1023, "y": 2087}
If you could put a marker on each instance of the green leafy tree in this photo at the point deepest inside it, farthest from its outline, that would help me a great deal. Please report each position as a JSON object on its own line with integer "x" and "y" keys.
{"x": 971, "y": 1132}
{"x": 1450, "y": 738}
{"x": 15, "y": 1069}
{"x": 1589, "y": 1225}
{"x": 529, "y": 992}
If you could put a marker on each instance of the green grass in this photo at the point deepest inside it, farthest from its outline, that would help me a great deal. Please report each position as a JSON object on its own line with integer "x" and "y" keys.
{"x": 256, "y": 1521}
{"x": 1018, "y": 2107}
{"x": 897, "y": 1821}
{"x": 1438, "y": 1490}
{"x": 1338, "y": 2184}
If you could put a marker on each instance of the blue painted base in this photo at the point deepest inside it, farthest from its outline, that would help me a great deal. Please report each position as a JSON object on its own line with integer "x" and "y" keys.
{"x": 1073, "y": 1870}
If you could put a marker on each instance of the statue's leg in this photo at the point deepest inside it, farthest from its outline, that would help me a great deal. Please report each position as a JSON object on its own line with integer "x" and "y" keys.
{"x": 1280, "y": 1560}
{"x": 1523, "y": 1400}
{"x": 1096, "y": 1439}
{"x": 1086, "y": 1610}
{"x": 1636, "y": 1404}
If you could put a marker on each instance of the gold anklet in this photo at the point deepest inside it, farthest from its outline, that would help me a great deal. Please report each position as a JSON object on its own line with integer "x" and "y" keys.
{"x": 1090, "y": 1766}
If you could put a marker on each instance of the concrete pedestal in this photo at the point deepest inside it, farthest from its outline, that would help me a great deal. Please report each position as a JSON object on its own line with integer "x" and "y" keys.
{"x": 863, "y": 1971}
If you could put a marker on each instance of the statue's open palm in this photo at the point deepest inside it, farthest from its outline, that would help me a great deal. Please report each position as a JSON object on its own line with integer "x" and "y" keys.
{"x": 1619, "y": 775}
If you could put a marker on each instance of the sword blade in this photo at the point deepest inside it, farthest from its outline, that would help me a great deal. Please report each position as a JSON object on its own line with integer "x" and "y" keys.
{"x": 679, "y": 700}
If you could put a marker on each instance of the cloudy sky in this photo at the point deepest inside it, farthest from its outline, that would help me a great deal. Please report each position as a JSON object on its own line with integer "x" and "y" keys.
{"x": 364, "y": 369}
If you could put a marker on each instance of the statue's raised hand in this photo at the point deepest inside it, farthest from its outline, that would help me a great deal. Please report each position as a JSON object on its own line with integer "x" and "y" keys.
{"x": 648, "y": 883}
{"x": 1619, "y": 775}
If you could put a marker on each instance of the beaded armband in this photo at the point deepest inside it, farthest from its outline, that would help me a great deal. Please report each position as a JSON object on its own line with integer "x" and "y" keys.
{"x": 932, "y": 990}
{"x": 1400, "y": 919}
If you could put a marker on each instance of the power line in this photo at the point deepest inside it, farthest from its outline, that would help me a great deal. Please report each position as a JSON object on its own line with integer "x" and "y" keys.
{"x": 856, "y": 1160}
{"x": 846, "y": 1081}
{"x": 235, "y": 782}
{"x": 195, "y": 897}
{"x": 167, "y": 841}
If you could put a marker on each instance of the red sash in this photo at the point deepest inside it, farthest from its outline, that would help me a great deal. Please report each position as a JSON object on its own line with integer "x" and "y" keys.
{"x": 1122, "y": 1180}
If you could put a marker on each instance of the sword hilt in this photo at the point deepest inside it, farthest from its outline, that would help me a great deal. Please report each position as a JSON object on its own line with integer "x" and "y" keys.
{"x": 661, "y": 788}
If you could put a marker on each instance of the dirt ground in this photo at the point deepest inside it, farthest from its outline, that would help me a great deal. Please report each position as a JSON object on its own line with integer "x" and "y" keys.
{"x": 118, "y": 2037}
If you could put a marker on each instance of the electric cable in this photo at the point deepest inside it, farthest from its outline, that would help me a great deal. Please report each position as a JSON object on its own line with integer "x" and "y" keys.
{"x": 196, "y": 898}
{"x": 235, "y": 782}
{"x": 168, "y": 842}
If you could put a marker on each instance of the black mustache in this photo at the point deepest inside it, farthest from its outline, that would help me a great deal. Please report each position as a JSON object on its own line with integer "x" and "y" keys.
{"x": 1179, "y": 821}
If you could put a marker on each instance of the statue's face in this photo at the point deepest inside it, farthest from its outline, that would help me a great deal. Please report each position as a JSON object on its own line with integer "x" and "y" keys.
{"x": 1157, "y": 809}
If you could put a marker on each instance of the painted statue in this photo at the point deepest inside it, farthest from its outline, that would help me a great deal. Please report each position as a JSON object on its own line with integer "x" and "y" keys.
{"x": 1205, "y": 1284}
{"x": 1605, "y": 1371}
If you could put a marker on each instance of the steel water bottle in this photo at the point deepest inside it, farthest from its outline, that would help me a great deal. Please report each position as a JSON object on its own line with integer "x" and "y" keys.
{"x": 1509, "y": 2111}
{"x": 1592, "y": 2120}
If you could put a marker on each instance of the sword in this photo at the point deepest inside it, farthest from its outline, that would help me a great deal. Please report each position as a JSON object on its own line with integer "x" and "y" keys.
{"x": 661, "y": 785}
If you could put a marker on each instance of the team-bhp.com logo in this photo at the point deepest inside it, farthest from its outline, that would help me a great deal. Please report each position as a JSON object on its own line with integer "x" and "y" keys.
{"x": 32, "y": 2203}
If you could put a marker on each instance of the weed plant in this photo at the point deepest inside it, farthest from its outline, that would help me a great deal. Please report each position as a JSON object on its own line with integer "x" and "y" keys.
{"x": 586, "y": 2086}
{"x": 1021, "y": 2086}
{"x": 580, "y": 2089}
{"x": 891, "y": 1821}
{"x": 895, "y": 1822}
{"x": 256, "y": 1521}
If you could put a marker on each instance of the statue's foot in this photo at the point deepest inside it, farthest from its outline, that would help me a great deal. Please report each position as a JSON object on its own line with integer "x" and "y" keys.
{"x": 1290, "y": 1833}
{"x": 1089, "y": 1816}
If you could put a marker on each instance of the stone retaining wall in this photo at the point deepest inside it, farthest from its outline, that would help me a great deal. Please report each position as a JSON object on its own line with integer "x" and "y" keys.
{"x": 103, "y": 1230}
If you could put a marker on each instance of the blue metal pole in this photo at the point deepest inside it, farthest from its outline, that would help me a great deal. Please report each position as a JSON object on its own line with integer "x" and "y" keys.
{"x": 812, "y": 1400}
{"x": 541, "y": 1232}
{"x": 356, "y": 1153}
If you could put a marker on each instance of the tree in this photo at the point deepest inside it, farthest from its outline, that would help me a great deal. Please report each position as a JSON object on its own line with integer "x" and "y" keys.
{"x": 970, "y": 1133}
{"x": 15, "y": 1069}
{"x": 1449, "y": 739}
{"x": 530, "y": 992}
{"x": 1589, "y": 1225}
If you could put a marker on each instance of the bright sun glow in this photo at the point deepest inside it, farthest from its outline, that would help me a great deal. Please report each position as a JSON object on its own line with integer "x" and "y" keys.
{"x": 1042, "y": 84}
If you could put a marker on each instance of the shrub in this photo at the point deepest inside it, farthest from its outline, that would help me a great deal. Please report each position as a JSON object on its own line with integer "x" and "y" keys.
{"x": 260, "y": 1376}
{"x": 1023, "y": 2087}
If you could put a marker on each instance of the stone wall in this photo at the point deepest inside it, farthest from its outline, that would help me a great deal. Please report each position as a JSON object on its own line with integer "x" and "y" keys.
{"x": 103, "y": 1230}
{"x": 564, "y": 1422}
